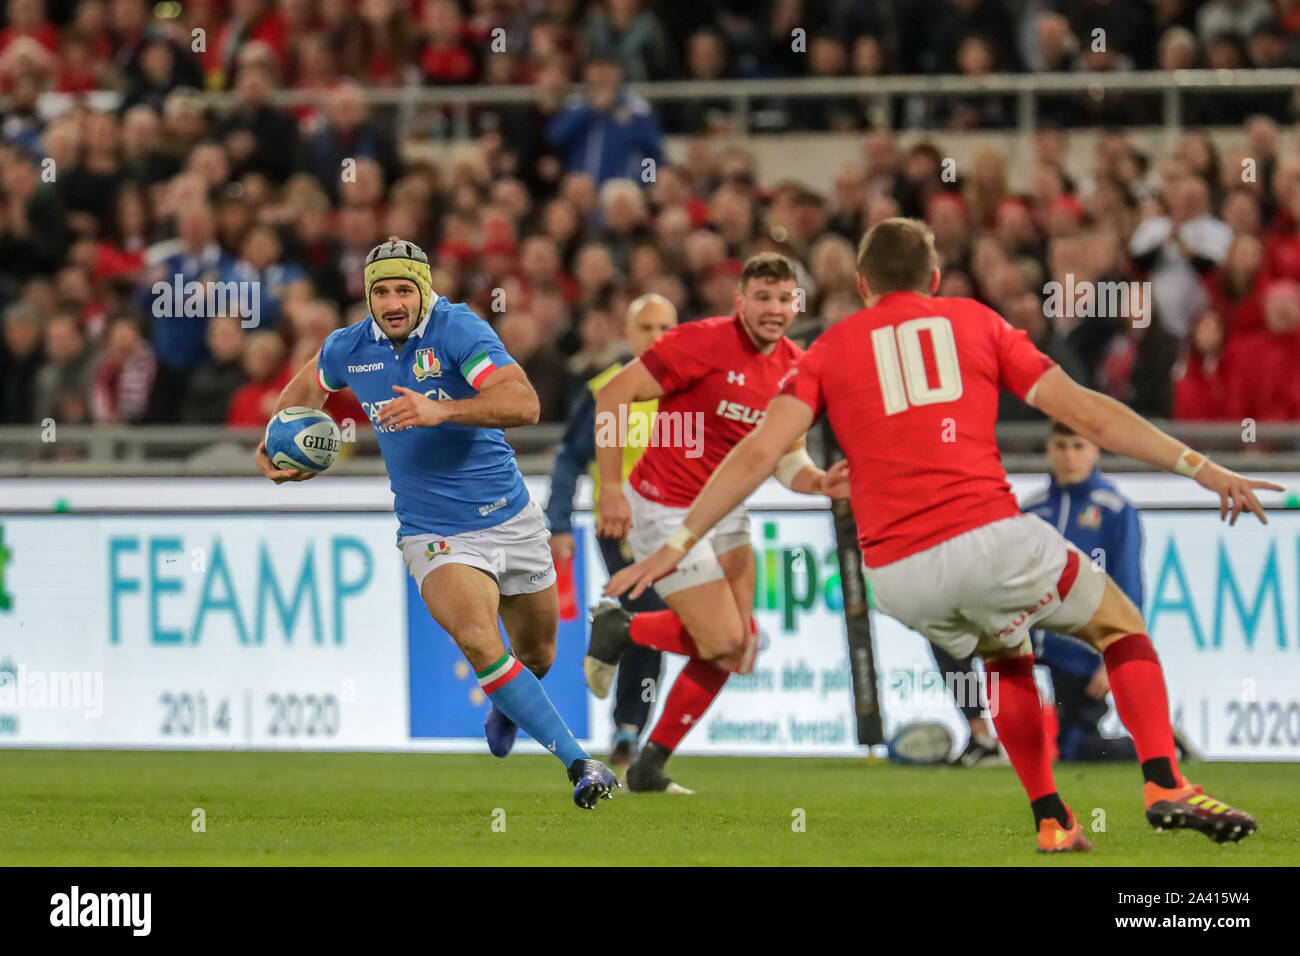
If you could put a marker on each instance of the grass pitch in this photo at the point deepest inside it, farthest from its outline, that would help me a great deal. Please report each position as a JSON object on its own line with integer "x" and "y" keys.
{"x": 138, "y": 808}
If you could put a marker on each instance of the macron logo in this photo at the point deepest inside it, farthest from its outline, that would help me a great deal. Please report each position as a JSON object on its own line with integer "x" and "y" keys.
{"x": 372, "y": 367}
{"x": 102, "y": 909}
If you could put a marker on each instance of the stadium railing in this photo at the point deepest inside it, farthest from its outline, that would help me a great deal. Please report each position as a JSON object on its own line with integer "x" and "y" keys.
{"x": 217, "y": 451}
{"x": 409, "y": 107}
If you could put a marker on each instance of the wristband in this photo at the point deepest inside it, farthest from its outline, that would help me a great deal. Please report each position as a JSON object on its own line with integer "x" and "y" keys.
{"x": 1189, "y": 463}
{"x": 791, "y": 464}
{"x": 683, "y": 539}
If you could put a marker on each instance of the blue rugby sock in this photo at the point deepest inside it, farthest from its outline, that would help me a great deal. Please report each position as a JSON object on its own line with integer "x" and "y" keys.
{"x": 516, "y": 692}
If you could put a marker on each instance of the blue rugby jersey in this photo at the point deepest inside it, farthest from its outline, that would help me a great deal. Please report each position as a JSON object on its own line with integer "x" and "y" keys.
{"x": 1100, "y": 522}
{"x": 449, "y": 478}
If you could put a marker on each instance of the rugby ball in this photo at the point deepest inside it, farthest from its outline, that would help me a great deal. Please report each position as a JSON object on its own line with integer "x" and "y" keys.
{"x": 303, "y": 438}
{"x": 924, "y": 742}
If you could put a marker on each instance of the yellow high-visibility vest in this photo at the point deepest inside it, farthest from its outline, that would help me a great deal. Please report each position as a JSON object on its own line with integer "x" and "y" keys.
{"x": 640, "y": 421}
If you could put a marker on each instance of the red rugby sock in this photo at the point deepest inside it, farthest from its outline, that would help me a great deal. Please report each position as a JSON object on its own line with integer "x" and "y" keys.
{"x": 1138, "y": 683}
{"x": 1018, "y": 718}
{"x": 691, "y": 694}
{"x": 663, "y": 631}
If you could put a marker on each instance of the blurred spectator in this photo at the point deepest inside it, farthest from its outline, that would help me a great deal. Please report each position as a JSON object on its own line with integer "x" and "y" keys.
{"x": 256, "y": 135}
{"x": 1177, "y": 248}
{"x": 269, "y": 279}
{"x": 1025, "y": 311}
{"x": 22, "y": 125}
{"x": 934, "y": 30}
{"x": 608, "y": 132}
{"x": 1201, "y": 386}
{"x": 91, "y": 185}
{"x": 124, "y": 376}
{"x": 1231, "y": 17}
{"x": 26, "y": 18}
{"x": 179, "y": 337}
{"x": 20, "y": 361}
{"x": 347, "y": 135}
{"x": 1138, "y": 369}
{"x": 33, "y": 234}
{"x": 378, "y": 53}
{"x": 541, "y": 362}
{"x": 706, "y": 58}
{"x": 251, "y": 21}
{"x": 446, "y": 58}
{"x": 627, "y": 32}
{"x": 263, "y": 360}
{"x": 155, "y": 75}
{"x": 601, "y": 344}
{"x": 215, "y": 382}
{"x": 828, "y": 58}
{"x": 1237, "y": 288}
{"x": 1261, "y": 365}
{"x": 69, "y": 367}
{"x": 143, "y": 157}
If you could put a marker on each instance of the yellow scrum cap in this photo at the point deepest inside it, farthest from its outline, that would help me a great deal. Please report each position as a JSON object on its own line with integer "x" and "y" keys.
{"x": 399, "y": 259}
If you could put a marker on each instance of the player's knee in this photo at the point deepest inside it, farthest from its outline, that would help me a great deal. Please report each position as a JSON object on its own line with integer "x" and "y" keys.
{"x": 538, "y": 658}
{"x": 1107, "y": 628}
{"x": 726, "y": 644}
{"x": 478, "y": 640}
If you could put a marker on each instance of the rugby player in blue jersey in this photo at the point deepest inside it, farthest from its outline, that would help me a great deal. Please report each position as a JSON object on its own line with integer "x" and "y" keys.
{"x": 439, "y": 388}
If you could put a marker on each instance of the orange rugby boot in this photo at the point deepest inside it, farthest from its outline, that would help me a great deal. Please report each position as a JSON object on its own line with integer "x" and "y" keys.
{"x": 1189, "y": 807}
{"x": 1054, "y": 838}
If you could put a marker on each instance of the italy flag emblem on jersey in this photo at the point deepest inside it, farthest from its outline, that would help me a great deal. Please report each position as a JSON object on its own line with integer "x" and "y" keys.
{"x": 427, "y": 365}
{"x": 477, "y": 368}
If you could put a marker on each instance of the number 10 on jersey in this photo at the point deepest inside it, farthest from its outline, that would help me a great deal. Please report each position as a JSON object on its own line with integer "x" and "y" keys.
{"x": 900, "y": 364}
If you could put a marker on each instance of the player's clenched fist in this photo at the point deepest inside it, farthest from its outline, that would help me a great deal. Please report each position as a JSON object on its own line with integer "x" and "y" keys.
{"x": 615, "y": 514}
{"x": 835, "y": 483}
{"x": 278, "y": 475}
{"x": 408, "y": 411}
{"x": 1236, "y": 492}
{"x": 562, "y": 546}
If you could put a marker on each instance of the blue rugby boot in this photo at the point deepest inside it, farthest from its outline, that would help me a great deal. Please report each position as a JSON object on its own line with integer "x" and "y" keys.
{"x": 500, "y": 731}
{"x": 592, "y": 780}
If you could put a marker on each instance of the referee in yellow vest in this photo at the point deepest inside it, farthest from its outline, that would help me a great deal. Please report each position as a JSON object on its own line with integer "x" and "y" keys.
{"x": 648, "y": 317}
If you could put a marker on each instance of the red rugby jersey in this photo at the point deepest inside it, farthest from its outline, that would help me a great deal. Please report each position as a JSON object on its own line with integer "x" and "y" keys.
{"x": 911, "y": 387}
{"x": 714, "y": 377}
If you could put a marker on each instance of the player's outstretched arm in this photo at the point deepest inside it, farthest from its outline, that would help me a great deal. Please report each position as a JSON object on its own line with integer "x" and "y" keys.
{"x": 303, "y": 389}
{"x": 1119, "y": 429}
{"x": 633, "y": 384}
{"x": 506, "y": 399}
{"x": 746, "y": 467}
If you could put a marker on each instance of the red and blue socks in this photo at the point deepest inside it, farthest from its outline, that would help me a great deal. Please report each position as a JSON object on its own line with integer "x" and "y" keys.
{"x": 516, "y": 692}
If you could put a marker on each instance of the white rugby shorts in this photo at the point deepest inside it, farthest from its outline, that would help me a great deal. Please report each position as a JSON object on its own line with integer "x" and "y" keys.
{"x": 984, "y": 589}
{"x": 515, "y": 552}
{"x": 653, "y": 523}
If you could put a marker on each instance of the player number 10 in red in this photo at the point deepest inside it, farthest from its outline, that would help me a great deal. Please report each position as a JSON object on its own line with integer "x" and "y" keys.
{"x": 900, "y": 364}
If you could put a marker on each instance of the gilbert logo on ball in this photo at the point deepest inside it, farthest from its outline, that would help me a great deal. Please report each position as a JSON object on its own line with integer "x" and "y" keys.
{"x": 303, "y": 438}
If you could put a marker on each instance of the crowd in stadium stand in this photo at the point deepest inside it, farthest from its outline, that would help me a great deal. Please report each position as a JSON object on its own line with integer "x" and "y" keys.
{"x": 545, "y": 222}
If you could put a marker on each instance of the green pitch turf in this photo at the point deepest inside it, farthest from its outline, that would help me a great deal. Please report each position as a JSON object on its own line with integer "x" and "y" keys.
{"x": 132, "y": 808}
